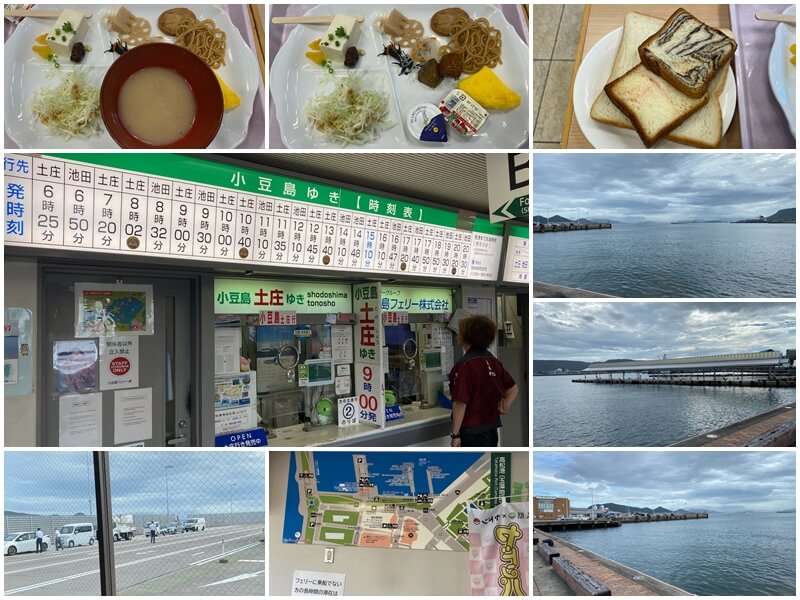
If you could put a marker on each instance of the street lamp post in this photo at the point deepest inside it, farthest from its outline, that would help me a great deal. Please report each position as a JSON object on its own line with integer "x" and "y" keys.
{"x": 230, "y": 500}
{"x": 166, "y": 484}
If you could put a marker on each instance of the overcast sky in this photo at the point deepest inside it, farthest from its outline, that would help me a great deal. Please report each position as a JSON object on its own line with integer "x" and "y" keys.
{"x": 663, "y": 187}
{"x": 199, "y": 482}
{"x": 598, "y": 331}
{"x": 716, "y": 481}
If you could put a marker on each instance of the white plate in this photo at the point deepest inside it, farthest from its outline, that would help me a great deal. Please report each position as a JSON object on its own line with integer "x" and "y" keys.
{"x": 782, "y": 73}
{"x": 294, "y": 80}
{"x": 592, "y": 77}
{"x": 26, "y": 72}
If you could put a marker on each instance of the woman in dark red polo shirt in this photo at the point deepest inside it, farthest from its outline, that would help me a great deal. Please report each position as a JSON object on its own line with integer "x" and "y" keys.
{"x": 481, "y": 389}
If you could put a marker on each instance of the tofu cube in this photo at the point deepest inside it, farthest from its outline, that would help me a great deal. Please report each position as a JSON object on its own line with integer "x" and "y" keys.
{"x": 342, "y": 33}
{"x": 70, "y": 28}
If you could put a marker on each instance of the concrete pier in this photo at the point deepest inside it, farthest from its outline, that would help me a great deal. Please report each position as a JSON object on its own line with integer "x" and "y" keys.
{"x": 695, "y": 381}
{"x": 549, "y": 290}
{"x": 620, "y": 580}
{"x": 567, "y": 226}
{"x": 774, "y": 428}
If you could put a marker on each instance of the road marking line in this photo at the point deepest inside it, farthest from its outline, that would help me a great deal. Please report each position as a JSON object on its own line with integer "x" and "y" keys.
{"x": 237, "y": 578}
{"x": 128, "y": 564}
{"x": 250, "y": 560}
{"x": 196, "y": 553}
{"x": 213, "y": 558}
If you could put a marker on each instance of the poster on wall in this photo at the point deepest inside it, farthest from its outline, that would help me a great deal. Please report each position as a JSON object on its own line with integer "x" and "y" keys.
{"x": 75, "y": 365}
{"x": 395, "y": 500}
{"x": 133, "y": 415}
{"x": 498, "y": 555}
{"x": 119, "y": 362}
{"x": 80, "y": 420}
{"x": 227, "y": 350}
{"x": 113, "y": 309}
{"x": 235, "y": 419}
{"x": 17, "y": 355}
{"x": 233, "y": 390}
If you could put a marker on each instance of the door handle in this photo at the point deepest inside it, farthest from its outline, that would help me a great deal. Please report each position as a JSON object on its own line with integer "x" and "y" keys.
{"x": 181, "y": 439}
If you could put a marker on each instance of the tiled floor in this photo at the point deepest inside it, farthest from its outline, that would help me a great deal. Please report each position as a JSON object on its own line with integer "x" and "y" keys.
{"x": 556, "y": 29}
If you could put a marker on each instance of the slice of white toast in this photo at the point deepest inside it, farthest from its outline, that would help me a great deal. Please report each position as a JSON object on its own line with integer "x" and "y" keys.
{"x": 703, "y": 129}
{"x": 653, "y": 105}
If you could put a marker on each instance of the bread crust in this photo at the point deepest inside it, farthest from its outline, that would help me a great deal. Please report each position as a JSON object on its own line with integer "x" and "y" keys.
{"x": 657, "y": 66}
{"x": 648, "y": 140}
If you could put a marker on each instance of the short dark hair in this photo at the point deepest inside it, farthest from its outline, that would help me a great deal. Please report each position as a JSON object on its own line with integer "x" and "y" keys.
{"x": 477, "y": 331}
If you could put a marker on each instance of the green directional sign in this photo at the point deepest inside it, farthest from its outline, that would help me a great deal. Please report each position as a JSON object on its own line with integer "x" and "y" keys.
{"x": 513, "y": 209}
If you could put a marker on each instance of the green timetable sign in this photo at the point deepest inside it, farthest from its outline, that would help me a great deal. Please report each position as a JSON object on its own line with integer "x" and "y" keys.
{"x": 261, "y": 182}
{"x": 416, "y": 300}
{"x": 247, "y": 296}
{"x": 520, "y": 231}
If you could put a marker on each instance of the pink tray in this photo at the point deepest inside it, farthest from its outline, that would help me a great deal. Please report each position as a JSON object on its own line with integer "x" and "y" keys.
{"x": 256, "y": 133}
{"x": 278, "y": 33}
{"x": 761, "y": 120}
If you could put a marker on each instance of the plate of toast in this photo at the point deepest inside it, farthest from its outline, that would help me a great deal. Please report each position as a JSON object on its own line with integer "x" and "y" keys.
{"x": 657, "y": 83}
{"x": 783, "y": 71}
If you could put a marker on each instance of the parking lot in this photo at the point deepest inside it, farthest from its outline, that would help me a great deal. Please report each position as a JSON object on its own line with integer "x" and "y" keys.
{"x": 180, "y": 564}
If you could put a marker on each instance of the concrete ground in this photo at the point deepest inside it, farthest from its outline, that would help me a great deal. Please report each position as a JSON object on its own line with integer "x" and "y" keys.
{"x": 737, "y": 435}
{"x": 180, "y": 564}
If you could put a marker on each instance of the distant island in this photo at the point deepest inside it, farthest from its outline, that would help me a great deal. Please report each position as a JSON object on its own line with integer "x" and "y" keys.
{"x": 558, "y": 367}
{"x": 786, "y": 215}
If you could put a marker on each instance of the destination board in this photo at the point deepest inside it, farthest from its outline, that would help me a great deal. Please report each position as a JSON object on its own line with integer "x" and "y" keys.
{"x": 186, "y": 208}
{"x": 411, "y": 500}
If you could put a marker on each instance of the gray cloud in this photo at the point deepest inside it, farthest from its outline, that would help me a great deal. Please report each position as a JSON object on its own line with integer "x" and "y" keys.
{"x": 663, "y": 187}
{"x": 597, "y": 331}
{"x": 717, "y": 481}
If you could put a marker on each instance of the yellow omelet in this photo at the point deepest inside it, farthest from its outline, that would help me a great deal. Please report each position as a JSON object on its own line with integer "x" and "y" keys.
{"x": 488, "y": 90}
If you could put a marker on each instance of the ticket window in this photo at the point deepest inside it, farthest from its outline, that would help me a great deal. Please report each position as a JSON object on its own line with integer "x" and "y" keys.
{"x": 298, "y": 370}
{"x": 420, "y": 356}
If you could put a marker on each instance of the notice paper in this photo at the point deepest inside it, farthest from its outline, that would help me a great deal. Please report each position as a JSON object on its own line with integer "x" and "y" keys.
{"x": 342, "y": 343}
{"x": 227, "y": 349}
{"x": 119, "y": 362}
{"x": 314, "y": 583}
{"x": 80, "y": 420}
{"x": 133, "y": 415}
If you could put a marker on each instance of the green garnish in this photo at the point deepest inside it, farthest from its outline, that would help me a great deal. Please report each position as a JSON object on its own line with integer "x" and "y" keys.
{"x": 58, "y": 31}
{"x": 340, "y": 32}
{"x": 63, "y": 38}
{"x": 68, "y": 27}
{"x": 330, "y": 36}
{"x": 338, "y": 43}
{"x": 54, "y": 59}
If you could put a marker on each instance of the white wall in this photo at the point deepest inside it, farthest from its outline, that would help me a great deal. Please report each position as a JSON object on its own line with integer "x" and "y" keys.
{"x": 369, "y": 571}
{"x": 20, "y": 281}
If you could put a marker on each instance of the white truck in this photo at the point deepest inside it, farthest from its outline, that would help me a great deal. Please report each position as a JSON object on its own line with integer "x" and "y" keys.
{"x": 122, "y": 527}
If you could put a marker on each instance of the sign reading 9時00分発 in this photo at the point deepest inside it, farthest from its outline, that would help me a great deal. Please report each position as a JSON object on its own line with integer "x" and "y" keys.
{"x": 182, "y": 207}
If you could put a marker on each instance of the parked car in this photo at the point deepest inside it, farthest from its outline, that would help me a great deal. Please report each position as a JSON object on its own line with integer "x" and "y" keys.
{"x": 175, "y": 527}
{"x": 14, "y": 543}
{"x": 77, "y": 534}
{"x": 195, "y": 524}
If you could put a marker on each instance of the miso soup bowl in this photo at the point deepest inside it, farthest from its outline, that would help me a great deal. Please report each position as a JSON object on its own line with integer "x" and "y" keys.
{"x": 199, "y": 76}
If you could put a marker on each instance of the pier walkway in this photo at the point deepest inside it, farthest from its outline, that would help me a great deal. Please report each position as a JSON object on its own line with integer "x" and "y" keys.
{"x": 620, "y": 579}
{"x": 773, "y": 428}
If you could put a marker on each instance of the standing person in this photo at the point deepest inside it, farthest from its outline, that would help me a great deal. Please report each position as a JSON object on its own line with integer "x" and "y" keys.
{"x": 153, "y": 532}
{"x": 39, "y": 539}
{"x": 58, "y": 540}
{"x": 481, "y": 389}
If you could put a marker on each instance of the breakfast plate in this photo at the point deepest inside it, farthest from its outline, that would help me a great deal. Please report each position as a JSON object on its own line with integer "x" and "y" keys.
{"x": 26, "y": 73}
{"x": 295, "y": 80}
{"x": 782, "y": 73}
{"x": 591, "y": 78}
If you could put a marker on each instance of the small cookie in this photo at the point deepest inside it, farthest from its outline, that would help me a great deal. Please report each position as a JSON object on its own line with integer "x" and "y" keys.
{"x": 169, "y": 19}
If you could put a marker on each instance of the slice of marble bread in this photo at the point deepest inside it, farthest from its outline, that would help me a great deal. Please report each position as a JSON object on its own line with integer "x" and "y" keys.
{"x": 687, "y": 53}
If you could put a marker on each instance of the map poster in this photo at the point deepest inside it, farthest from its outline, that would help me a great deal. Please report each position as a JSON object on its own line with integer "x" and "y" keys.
{"x": 498, "y": 555}
{"x": 113, "y": 309}
{"x": 398, "y": 500}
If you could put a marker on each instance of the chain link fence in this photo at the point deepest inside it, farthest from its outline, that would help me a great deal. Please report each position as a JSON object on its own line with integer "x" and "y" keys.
{"x": 206, "y": 511}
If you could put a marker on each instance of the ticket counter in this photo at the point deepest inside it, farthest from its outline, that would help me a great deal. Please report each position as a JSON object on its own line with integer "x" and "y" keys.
{"x": 179, "y": 301}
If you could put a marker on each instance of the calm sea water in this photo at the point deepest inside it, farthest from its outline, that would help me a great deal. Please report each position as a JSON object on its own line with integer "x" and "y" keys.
{"x": 707, "y": 260}
{"x": 586, "y": 414}
{"x": 726, "y": 554}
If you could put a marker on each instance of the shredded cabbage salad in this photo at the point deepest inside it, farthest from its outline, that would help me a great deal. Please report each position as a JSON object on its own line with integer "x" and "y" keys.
{"x": 350, "y": 114}
{"x": 71, "y": 109}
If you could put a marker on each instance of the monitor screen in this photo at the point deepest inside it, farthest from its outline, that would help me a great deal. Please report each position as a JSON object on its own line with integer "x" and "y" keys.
{"x": 433, "y": 359}
{"x": 397, "y": 334}
{"x": 320, "y": 371}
